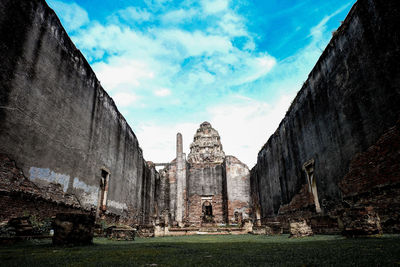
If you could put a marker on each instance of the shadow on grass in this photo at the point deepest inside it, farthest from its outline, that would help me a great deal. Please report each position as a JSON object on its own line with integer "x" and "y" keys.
{"x": 243, "y": 250}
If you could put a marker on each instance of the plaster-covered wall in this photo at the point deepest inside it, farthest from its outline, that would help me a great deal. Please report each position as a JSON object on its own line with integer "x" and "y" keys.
{"x": 349, "y": 99}
{"x": 57, "y": 122}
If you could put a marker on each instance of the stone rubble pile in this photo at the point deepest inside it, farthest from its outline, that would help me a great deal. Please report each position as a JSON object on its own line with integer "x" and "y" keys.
{"x": 361, "y": 221}
{"x": 300, "y": 229}
{"x": 73, "y": 229}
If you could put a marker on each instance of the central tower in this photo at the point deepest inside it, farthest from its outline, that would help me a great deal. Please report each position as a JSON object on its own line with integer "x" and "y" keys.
{"x": 206, "y": 182}
{"x": 208, "y": 187}
{"x": 206, "y": 146}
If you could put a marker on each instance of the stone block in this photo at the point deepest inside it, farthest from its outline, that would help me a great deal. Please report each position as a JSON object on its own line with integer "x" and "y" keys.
{"x": 146, "y": 231}
{"x": 121, "y": 233}
{"x": 300, "y": 229}
{"x": 73, "y": 229}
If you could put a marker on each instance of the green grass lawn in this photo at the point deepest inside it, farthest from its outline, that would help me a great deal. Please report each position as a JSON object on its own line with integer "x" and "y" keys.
{"x": 243, "y": 250}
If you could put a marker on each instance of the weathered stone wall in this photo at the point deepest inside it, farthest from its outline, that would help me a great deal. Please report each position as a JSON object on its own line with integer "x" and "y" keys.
{"x": 206, "y": 180}
{"x": 167, "y": 203}
{"x": 349, "y": 100}
{"x": 163, "y": 196}
{"x": 148, "y": 198}
{"x": 238, "y": 188}
{"x": 57, "y": 122}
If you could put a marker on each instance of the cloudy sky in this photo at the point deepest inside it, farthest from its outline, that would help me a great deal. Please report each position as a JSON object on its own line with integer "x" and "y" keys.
{"x": 170, "y": 65}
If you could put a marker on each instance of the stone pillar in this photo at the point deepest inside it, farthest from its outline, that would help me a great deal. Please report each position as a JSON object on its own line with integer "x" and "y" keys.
{"x": 179, "y": 145}
{"x": 180, "y": 179}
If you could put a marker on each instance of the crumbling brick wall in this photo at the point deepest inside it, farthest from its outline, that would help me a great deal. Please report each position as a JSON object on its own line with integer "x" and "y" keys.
{"x": 373, "y": 179}
{"x": 238, "y": 189}
{"x": 21, "y": 197}
{"x": 195, "y": 212}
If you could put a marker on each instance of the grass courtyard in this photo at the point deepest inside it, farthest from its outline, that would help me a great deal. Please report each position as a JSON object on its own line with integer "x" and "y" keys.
{"x": 243, "y": 250}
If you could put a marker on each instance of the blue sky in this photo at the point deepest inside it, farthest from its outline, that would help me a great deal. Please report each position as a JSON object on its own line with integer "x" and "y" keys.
{"x": 170, "y": 65}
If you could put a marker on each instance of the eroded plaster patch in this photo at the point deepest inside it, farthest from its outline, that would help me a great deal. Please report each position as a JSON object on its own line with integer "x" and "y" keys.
{"x": 49, "y": 176}
{"x": 117, "y": 205}
{"x": 90, "y": 195}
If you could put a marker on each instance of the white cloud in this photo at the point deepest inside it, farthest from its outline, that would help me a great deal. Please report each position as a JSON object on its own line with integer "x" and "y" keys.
{"x": 159, "y": 141}
{"x": 119, "y": 72}
{"x": 72, "y": 15}
{"x": 128, "y": 58}
{"x": 117, "y": 40}
{"x": 214, "y": 6}
{"x": 232, "y": 25}
{"x": 246, "y": 124}
{"x": 194, "y": 64}
{"x": 162, "y": 92}
{"x": 256, "y": 67}
{"x": 179, "y": 16}
{"x": 195, "y": 43}
{"x": 124, "y": 99}
{"x": 135, "y": 14}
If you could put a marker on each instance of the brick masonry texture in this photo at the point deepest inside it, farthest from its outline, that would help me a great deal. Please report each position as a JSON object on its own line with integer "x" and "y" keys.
{"x": 211, "y": 176}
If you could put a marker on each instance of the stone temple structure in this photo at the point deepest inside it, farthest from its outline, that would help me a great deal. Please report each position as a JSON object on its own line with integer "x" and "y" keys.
{"x": 207, "y": 187}
{"x": 333, "y": 164}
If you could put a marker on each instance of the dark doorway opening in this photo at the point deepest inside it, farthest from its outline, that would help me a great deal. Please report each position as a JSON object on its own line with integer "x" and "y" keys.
{"x": 207, "y": 212}
{"x": 105, "y": 176}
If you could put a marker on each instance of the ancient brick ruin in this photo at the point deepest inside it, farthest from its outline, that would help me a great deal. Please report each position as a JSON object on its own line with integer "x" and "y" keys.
{"x": 336, "y": 152}
{"x": 208, "y": 187}
{"x": 332, "y": 165}
{"x": 63, "y": 143}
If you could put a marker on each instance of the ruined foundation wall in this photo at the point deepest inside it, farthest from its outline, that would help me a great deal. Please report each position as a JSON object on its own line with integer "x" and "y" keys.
{"x": 374, "y": 179}
{"x": 57, "y": 122}
{"x": 238, "y": 188}
{"x": 349, "y": 100}
{"x": 195, "y": 209}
